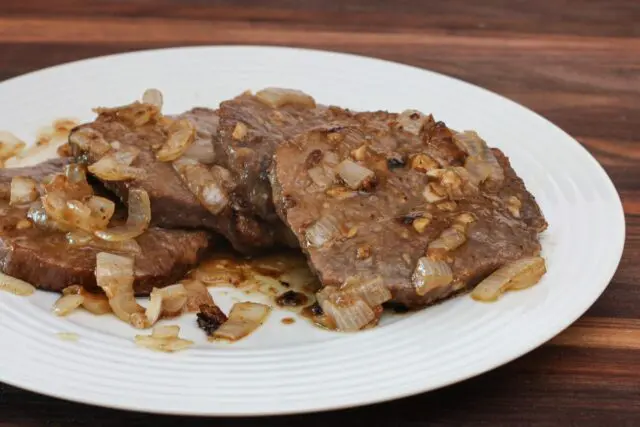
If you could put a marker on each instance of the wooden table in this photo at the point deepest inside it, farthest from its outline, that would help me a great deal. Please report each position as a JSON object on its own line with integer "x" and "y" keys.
{"x": 575, "y": 62}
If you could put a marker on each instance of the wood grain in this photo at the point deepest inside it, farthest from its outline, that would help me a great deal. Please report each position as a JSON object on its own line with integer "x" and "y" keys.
{"x": 575, "y": 62}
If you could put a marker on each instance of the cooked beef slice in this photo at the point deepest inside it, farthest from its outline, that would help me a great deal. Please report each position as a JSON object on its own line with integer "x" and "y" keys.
{"x": 381, "y": 228}
{"x": 173, "y": 205}
{"x": 45, "y": 259}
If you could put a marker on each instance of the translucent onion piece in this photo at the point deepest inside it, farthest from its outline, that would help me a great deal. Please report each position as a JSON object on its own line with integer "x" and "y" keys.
{"x": 197, "y": 295}
{"x": 203, "y": 184}
{"x": 89, "y": 140}
{"x": 115, "y": 276}
{"x": 277, "y": 97}
{"x": 341, "y": 193}
{"x": 95, "y": 303}
{"x": 71, "y": 188}
{"x": 430, "y": 274}
{"x": 174, "y": 299}
{"x": 182, "y": 133}
{"x": 519, "y": 274}
{"x": 112, "y": 167}
{"x": 354, "y": 175}
{"x": 75, "y": 173}
{"x": 166, "y": 331}
{"x": 154, "y": 309}
{"x": 240, "y": 131}
{"x": 481, "y": 160}
{"x": 321, "y": 232}
{"x": 513, "y": 206}
{"x": 423, "y": 163}
{"x": 412, "y": 121}
{"x": 433, "y": 193}
{"x": 244, "y": 318}
{"x": 165, "y": 339}
{"x": 82, "y": 238}
{"x": 470, "y": 142}
{"x": 15, "y": 286}
{"x": 450, "y": 239}
{"x": 320, "y": 177}
{"x": 349, "y": 313}
{"x": 10, "y": 145}
{"x": 372, "y": 291}
{"x": 138, "y": 219}
{"x": 38, "y": 216}
{"x": 153, "y": 97}
{"x": 92, "y": 215}
{"x": 101, "y": 211}
{"x": 23, "y": 190}
{"x": 66, "y": 304}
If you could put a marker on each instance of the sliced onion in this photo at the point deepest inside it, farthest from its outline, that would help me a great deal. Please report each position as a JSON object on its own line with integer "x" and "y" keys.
{"x": 350, "y": 313}
{"x": 114, "y": 167}
{"x": 277, "y": 97}
{"x": 153, "y": 97}
{"x": 10, "y": 145}
{"x": 513, "y": 205}
{"x": 372, "y": 291}
{"x": 341, "y": 193}
{"x": 320, "y": 177}
{"x": 322, "y": 231}
{"x": 115, "y": 276}
{"x": 95, "y": 303}
{"x": 23, "y": 190}
{"x": 412, "y": 121}
{"x": 423, "y": 163}
{"x": 197, "y": 295}
{"x": 240, "y": 131}
{"x": 89, "y": 140}
{"x": 519, "y": 274}
{"x": 481, "y": 163}
{"x": 202, "y": 184}
{"x": 38, "y": 216}
{"x": 450, "y": 239}
{"x": 182, "y": 133}
{"x": 470, "y": 142}
{"x": 71, "y": 188}
{"x": 174, "y": 299}
{"x": 421, "y": 224}
{"x": 430, "y": 274}
{"x": 154, "y": 309}
{"x": 434, "y": 192}
{"x": 75, "y": 173}
{"x": 89, "y": 216}
{"x": 166, "y": 331}
{"x": 66, "y": 304}
{"x": 165, "y": 339}
{"x": 138, "y": 219}
{"x": 244, "y": 318}
{"x": 15, "y": 286}
{"x": 354, "y": 175}
{"x": 83, "y": 238}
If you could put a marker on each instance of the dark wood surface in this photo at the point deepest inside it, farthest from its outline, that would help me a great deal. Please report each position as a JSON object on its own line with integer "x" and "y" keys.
{"x": 577, "y": 62}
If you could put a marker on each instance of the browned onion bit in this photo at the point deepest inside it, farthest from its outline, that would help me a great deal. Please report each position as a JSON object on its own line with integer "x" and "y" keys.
{"x": 210, "y": 318}
{"x": 138, "y": 219}
{"x": 277, "y": 97}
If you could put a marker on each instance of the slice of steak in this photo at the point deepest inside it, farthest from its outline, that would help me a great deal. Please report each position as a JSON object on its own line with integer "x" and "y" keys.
{"x": 173, "y": 203}
{"x": 47, "y": 261}
{"x": 45, "y": 258}
{"x": 367, "y": 200}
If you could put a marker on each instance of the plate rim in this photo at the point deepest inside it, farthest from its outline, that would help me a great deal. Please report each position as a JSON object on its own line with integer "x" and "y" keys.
{"x": 619, "y": 239}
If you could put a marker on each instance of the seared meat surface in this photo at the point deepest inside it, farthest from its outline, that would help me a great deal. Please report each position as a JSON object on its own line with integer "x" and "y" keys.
{"x": 369, "y": 199}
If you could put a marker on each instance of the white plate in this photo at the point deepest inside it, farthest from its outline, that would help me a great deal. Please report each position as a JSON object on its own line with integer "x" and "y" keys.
{"x": 287, "y": 369}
